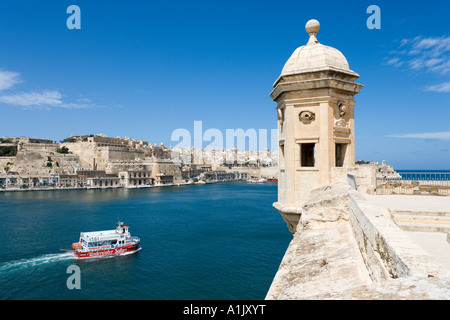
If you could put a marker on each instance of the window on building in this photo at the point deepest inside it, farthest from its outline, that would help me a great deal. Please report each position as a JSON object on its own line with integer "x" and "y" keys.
{"x": 341, "y": 148}
{"x": 307, "y": 154}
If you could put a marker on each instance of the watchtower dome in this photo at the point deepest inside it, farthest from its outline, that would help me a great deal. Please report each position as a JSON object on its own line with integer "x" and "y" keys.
{"x": 314, "y": 55}
{"x": 315, "y": 103}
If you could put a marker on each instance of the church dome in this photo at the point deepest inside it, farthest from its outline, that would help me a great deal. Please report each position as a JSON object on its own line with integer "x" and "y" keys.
{"x": 314, "y": 56}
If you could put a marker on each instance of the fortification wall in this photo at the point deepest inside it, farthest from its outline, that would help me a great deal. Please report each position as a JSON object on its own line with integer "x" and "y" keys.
{"x": 85, "y": 151}
{"x": 91, "y": 154}
{"x": 35, "y": 162}
{"x": 6, "y": 162}
{"x": 344, "y": 248}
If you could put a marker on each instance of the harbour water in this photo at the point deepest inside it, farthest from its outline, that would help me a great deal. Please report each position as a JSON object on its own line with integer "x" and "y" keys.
{"x": 215, "y": 241}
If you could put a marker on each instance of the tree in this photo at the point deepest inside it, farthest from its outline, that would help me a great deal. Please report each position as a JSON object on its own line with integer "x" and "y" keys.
{"x": 9, "y": 151}
{"x": 63, "y": 150}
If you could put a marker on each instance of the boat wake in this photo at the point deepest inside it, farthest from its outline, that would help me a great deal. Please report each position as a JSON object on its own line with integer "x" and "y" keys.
{"x": 15, "y": 265}
{"x": 46, "y": 259}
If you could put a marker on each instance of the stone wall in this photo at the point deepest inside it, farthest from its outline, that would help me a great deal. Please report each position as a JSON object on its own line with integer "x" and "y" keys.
{"x": 6, "y": 162}
{"x": 91, "y": 154}
{"x": 29, "y": 162}
{"x": 365, "y": 177}
{"x": 344, "y": 248}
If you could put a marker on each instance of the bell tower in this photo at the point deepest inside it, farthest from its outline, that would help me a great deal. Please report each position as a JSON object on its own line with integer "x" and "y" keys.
{"x": 316, "y": 130}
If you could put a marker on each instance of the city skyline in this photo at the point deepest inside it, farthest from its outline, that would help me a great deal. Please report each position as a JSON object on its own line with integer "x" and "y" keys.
{"x": 146, "y": 70}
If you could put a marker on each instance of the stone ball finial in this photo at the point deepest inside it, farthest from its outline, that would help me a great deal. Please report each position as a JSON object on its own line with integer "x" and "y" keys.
{"x": 312, "y": 26}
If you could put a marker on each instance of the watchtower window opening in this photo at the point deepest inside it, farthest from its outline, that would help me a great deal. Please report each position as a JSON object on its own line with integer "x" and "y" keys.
{"x": 307, "y": 154}
{"x": 281, "y": 148}
{"x": 341, "y": 149}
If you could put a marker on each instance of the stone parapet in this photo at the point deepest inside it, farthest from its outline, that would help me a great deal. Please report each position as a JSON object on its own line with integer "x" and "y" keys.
{"x": 344, "y": 248}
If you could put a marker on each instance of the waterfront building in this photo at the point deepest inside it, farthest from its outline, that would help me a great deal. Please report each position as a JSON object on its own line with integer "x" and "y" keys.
{"x": 241, "y": 175}
{"x": 220, "y": 175}
{"x": 9, "y": 180}
{"x": 68, "y": 179}
{"x": 161, "y": 178}
{"x": 3, "y": 178}
{"x": 84, "y": 175}
{"x": 103, "y": 182}
{"x": 165, "y": 171}
{"x": 54, "y": 179}
{"x": 192, "y": 171}
{"x": 135, "y": 178}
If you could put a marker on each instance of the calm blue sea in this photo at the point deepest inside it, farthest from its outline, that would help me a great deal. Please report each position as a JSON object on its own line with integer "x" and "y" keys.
{"x": 216, "y": 241}
{"x": 425, "y": 175}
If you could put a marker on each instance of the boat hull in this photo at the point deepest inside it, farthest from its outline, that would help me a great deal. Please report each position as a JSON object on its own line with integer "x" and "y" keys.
{"x": 107, "y": 252}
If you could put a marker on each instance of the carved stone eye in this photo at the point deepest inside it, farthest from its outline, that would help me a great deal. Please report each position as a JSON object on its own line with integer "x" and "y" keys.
{"x": 307, "y": 116}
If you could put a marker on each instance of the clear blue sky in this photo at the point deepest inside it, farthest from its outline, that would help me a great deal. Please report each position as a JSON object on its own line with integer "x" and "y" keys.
{"x": 144, "y": 68}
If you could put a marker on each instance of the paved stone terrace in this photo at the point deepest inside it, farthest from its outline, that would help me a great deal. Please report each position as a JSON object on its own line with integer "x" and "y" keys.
{"x": 434, "y": 243}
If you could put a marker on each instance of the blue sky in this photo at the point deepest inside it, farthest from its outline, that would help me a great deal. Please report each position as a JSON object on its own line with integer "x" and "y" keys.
{"x": 143, "y": 69}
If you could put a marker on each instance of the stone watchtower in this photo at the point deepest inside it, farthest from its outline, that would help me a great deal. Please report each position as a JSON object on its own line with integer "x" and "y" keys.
{"x": 316, "y": 132}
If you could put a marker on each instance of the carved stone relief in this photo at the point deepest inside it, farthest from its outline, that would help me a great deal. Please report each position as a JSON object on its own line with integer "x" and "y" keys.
{"x": 341, "y": 122}
{"x": 307, "y": 117}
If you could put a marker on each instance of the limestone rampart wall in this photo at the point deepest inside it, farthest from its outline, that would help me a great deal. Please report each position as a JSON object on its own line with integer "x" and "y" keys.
{"x": 344, "y": 248}
{"x": 89, "y": 154}
{"x": 40, "y": 146}
{"x": 40, "y": 161}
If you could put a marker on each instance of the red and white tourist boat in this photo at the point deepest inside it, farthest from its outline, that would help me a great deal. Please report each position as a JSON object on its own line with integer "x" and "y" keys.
{"x": 106, "y": 243}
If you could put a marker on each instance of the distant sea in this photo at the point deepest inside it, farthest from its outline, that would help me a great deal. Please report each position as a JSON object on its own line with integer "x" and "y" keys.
{"x": 214, "y": 241}
{"x": 439, "y": 175}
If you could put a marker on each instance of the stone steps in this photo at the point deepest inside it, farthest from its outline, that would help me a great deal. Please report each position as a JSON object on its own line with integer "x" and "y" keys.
{"x": 422, "y": 221}
{"x": 422, "y": 227}
{"x": 421, "y": 213}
